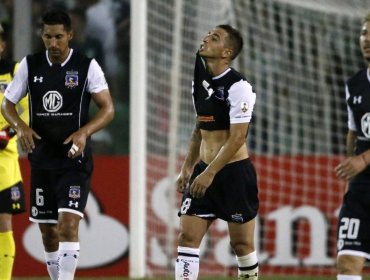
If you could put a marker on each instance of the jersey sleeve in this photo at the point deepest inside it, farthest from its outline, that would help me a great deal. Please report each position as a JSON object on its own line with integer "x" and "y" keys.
{"x": 96, "y": 79}
{"x": 351, "y": 119}
{"x": 242, "y": 100}
{"x": 17, "y": 89}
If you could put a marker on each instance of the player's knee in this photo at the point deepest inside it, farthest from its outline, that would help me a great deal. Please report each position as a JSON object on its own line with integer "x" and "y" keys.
{"x": 242, "y": 248}
{"x": 186, "y": 239}
{"x": 68, "y": 234}
{"x": 49, "y": 234}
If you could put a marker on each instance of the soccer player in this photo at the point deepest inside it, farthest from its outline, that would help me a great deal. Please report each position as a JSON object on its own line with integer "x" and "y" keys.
{"x": 217, "y": 178}
{"x": 353, "y": 234}
{"x": 61, "y": 82}
{"x": 11, "y": 186}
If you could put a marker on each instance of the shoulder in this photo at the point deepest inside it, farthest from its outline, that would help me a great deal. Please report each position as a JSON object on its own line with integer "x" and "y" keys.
{"x": 239, "y": 82}
{"x": 80, "y": 57}
{"x": 36, "y": 58}
{"x": 359, "y": 77}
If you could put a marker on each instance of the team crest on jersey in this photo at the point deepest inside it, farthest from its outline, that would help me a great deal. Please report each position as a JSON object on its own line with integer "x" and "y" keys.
{"x": 71, "y": 79}
{"x": 244, "y": 106}
{"x": 15, "y": 193}
{"x": 74, "y": 192}
{"x": 219, "y": 93}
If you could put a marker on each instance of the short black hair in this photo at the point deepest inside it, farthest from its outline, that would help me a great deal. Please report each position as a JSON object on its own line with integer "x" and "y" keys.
{"x": 57, "y": 16}
{"x": 366, "y": 18}
{"x": 235, "y": 39}
{"x": 4, "y": 31}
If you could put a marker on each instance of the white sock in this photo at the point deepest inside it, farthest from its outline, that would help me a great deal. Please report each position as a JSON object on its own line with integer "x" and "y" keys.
{"x": 51, "y": 259}
{"x": 187, "y": 263}
{"x": 348, "y": 277}
{"x": 68, "y": 259}
{"x": 248, "y": 266}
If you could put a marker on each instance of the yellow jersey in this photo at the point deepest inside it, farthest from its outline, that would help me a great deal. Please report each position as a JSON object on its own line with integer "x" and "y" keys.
{"x": 9, "y": 166}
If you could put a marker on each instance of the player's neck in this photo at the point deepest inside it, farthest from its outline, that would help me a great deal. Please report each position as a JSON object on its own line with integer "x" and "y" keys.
{"x": 216, "y": 68}
{"x": 59, "y": 59}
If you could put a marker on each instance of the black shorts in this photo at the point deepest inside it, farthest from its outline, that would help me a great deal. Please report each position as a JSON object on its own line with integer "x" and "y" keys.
{"x": 232, "y": 196}
{"x": 353, "y": 230}
{"x": 59, "y": 190}
{"x": 12, "y": 199}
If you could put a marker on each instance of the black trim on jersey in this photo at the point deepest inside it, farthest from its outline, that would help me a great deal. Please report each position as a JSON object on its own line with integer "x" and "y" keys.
{"x": 59, "y": 106}
{"x": 210, "y": 96}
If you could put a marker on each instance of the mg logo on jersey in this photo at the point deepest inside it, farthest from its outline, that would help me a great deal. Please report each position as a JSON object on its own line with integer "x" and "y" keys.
{"x": 365, "y": 125}
{"x": 38, "y": 79}
{"x": 52, "y": 101}
{"x": 357, "y": 99}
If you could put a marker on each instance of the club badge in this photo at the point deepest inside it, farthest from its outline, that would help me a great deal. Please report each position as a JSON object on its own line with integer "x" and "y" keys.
{"x": 74, "y": 192}
{"x": 71, "y": 79}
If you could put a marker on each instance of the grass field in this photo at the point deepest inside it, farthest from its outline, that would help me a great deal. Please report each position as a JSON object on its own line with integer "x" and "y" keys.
{"x": 206, "y": 278}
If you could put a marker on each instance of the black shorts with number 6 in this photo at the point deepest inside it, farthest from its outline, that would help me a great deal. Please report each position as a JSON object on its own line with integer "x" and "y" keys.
{"x": 59, "y": 190}
{"x": 232, "y": 196}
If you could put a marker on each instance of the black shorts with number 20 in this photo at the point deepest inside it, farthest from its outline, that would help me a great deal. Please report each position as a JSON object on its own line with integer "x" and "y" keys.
{"x": 232, "y": 196}
{"x": 353, "y": 231}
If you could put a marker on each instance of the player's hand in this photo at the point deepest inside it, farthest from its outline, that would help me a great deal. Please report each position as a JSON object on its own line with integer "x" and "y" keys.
{"x": 78, "y": 141}
{"x": 350, "y": 167}
{"x": 26, "y": 136}
{"x": 182, "y": 180}
{"x": 200, "y": 184}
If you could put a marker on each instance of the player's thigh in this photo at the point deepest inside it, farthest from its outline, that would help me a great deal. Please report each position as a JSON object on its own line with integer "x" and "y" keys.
{"x": 242, "y": 237}
{"x": 192, "y": 230}
{"x": 348, "y": 264}
{"x": 5, "y": 222}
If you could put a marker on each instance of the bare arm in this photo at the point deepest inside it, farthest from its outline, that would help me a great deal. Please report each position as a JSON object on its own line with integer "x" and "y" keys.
{"x": 235, "y": 141}
{"x": 102, "y": 118}
{"x": 352, "y": 165}
{"x": 191, "y": 158}
{"x": 25, "y": 134}
{"x": 350, "y": 142}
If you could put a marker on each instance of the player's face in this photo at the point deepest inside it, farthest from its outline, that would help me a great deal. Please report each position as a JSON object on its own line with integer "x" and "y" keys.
{"x": 213, "y": 45}
{"x": 365, "y": 40}
{"x": 56, "y": 40}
